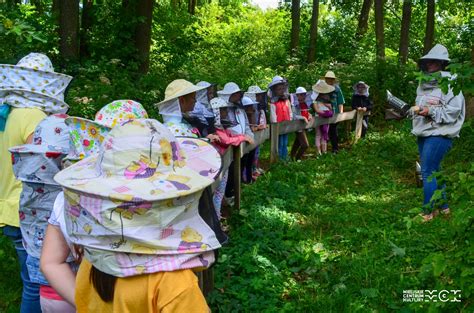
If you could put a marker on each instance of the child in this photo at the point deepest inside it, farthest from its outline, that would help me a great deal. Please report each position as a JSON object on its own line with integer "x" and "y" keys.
{"x": 337, "y": 100}
{"x": 280, "y": 110}
{"x": 176, "y": 108}
{"x": 179, "y": 102}
{"x": 142, "y": 235}
{"x": 226, "y": 138}
{"x": 247, "y": 160}
{"x": 85, "y": 138}
{"x": 201, "y": 116}
{"x": 323, "y": 107}
{"x": 30, "y": 90}
{"x": 35, "y": 165}
{"x": 260, "y": 96}
{"x": 233, "y": 95}
{"x": 361, "y": 102}
{"x": 300, "y": 112}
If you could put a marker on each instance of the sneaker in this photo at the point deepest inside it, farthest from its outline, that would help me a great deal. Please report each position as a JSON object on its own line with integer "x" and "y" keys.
{"x": 426, "y": 217}
{"x": 445, "y": 212}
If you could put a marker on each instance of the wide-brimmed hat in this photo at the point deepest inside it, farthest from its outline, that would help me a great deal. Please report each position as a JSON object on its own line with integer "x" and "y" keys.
{"x": 141, "y": 156}
{"x": 178, "y": 88}
{"x": 246, "y": 101}
{"x": 140, "y": 195}
{"x": 354, "y": 87}
{"x": 217, "y": 103}
{"x": 255, "y": 90}
{"x": 276, "y": 80}
{"x": 86, "y": 136}
{"x": 322, "y": 87}
{"x": 229, "y": 89}
{"x": 300, "y": 90}
{"x": 330, "y": 74}
{"x": 201, "y": 95}
{"x": 438, "y": 52}
{"x": 32, "y": 82}
{"x": 39, "y": 161}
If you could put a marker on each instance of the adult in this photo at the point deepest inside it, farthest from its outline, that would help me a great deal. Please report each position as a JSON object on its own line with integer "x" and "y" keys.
{"x": 438, "y": 119}
{"x": 30, "y": 90}
{"x": 337, "y": 107}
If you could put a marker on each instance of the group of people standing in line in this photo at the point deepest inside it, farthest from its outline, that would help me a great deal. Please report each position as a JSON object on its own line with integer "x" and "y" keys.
{"x": 116, "y": 214}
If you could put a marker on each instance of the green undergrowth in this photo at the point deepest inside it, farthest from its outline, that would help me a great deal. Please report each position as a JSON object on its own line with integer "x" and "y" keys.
{"x": 340, "y": 233}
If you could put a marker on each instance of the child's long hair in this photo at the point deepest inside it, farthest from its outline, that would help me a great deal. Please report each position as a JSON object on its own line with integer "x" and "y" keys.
{"x": 103, "y": 283}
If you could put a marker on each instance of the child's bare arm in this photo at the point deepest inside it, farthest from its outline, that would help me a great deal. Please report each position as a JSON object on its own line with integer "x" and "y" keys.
{"x": 54, "y": 266}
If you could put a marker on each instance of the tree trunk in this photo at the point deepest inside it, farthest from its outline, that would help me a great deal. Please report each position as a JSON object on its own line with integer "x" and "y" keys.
{"x": 69, "y": 29}
{"x": 55, "y": 7}
{"x": 143, "y": 33}
{"x": 86, "y": 23}
{"x": 192, "y": 6}
{"x": 379, "y": 31}
{"x": 405, "y": 32}
{"x": 313, "y": 33}
{"x": 295, "y": 25}
{"x": 430, "y": 24}
{"x": 363, "y": 19}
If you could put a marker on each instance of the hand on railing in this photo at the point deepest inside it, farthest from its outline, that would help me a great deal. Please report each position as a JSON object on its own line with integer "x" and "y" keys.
{"x": 249, "y": 140}
{"x": 213, "y": 138}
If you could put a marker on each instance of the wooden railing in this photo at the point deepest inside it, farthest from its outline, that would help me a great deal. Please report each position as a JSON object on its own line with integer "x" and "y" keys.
{"x": 206, "y": 278}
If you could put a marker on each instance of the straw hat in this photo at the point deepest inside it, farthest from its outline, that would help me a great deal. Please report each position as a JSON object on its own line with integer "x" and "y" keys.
{"x": 300, "y": 90}
{"x": 178, "y": 88}
{"x": 330, "y": 74}
{"x": 39, "y": 161}
{"x": 322, "y": 87}
{"x": 32, "y": 82}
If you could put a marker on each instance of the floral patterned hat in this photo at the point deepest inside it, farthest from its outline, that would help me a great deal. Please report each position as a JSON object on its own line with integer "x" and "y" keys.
{"x": 139, "y": 196}
{"x": 32, "y": 82}
{"x": 41, "y": 159}
{"x": 144, "y": 157}
{"x": 86, "y": 135}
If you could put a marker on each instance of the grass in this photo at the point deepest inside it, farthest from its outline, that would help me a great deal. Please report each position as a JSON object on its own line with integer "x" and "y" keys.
{"x": 338, "y": 233}
{"x": 334, "y": 234}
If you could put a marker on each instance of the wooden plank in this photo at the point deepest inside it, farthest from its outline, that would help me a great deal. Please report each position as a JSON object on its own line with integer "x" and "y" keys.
{"x": 259, "y": 138}
{"x": 226, "y": 161}
{"x": 293, "y": 126}
{"x": 237, "y": 176}
{"x": 274, "y": 131}
{"x": 358, "y": 129}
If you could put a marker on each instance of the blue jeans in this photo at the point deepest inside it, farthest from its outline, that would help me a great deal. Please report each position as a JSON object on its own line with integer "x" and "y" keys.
{"x": 30, "y": 299}
{"x": 432, "y": 151}
{"x": 283, "y": 146}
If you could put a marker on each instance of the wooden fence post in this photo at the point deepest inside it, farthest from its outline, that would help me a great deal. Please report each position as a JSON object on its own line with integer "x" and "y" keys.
{"x": 358, "y": 129}
{"x": 274, "y": 132}
{"x": 237, "y": 176}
